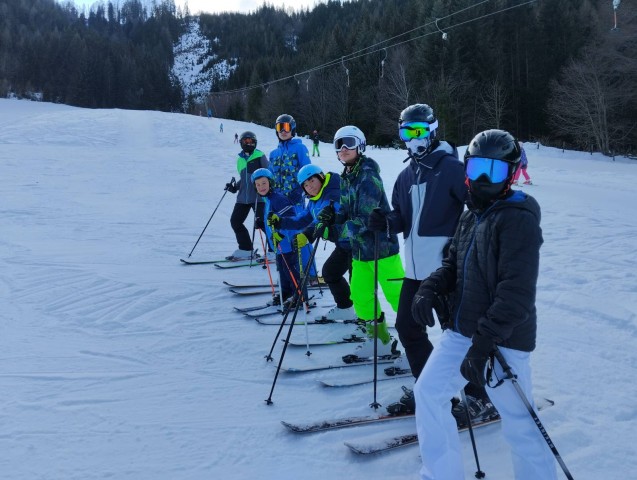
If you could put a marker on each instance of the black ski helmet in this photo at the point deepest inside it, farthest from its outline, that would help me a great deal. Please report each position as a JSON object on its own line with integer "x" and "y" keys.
{"x": 498, "y": 145}
{"x": 285, "y": 118}
{"x": 420, "y": 112}
{"x": 248, "y": 148}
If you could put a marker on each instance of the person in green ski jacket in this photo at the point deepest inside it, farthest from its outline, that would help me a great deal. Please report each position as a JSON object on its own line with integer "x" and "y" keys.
{"x": 361, "y": 192}
{"x": 249, "y": 160}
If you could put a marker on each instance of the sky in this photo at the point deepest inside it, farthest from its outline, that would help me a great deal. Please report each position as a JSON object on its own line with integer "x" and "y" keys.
{"x": 219, "y": 6}
{"x": 118, "y": 361}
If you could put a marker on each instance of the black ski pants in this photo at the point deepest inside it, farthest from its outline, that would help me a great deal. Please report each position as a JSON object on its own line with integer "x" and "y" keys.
{"x": 238, "y": 217}
{"x": 334, "y": 270}
{"x": 414, "y": 339}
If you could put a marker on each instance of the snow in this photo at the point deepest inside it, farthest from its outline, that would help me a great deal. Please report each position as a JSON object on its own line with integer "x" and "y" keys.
{"x": 117, "y": 361}
{"x": 195, "y": 66}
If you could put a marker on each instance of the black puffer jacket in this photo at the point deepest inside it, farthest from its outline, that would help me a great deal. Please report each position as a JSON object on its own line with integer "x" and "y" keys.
{"x": 491, "y": 272}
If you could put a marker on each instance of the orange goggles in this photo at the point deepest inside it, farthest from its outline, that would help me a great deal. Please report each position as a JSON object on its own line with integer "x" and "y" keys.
{"x": 284, "y": 127}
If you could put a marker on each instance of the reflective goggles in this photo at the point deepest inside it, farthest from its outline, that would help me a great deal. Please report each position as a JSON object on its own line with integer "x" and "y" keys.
{"x": 349, "y": 143}
{"x": 284, "y": 127}
{"x": 416, "y": 130}
{"x": 248, "y": 141}
{"x": 496, "y": 170}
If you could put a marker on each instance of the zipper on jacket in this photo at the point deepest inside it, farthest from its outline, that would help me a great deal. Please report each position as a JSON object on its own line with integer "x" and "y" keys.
{"x": 464, "y": 275}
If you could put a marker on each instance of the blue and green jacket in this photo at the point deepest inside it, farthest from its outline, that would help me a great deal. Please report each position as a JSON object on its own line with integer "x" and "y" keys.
{"x": 308, "y": 218}
{"x": 282, "y": 207}
{"x": 246, "y": 165}
{"x": 285, "y": 162}
{"x": 361, "y": 191}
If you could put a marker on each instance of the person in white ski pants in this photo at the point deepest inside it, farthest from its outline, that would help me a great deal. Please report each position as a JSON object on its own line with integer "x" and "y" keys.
{"x": 437, "y": 428}
{"x": 489, "y": 280}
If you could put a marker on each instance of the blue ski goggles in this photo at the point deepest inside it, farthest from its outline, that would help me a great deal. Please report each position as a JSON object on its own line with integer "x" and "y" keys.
{"x": 496, "y": 170}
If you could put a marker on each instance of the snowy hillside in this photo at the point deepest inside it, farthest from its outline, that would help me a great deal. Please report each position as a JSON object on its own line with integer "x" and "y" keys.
{"x": 195, "y": 66}
{"x": 117, "y": 361}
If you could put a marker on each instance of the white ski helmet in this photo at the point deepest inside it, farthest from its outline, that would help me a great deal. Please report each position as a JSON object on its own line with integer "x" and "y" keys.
{"x": 351, "y": 137}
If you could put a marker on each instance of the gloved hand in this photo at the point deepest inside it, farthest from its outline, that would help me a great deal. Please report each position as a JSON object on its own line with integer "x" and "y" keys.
{"x": 273, "y": 220}
{"x": 232, "y": 187}
{"x": 327, "y": 216}
{"x": 259, "y": 223}
{"x": 475, "y": 361}
{"x": 321, "y": 230}
{"x": 377, "y": 221}
{"x": 299, "y": 241}
{"x": 423, "y": 303}
{"x": 276, "y": 239}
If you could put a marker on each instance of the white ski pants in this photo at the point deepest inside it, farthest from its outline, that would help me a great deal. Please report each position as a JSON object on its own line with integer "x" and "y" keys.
{"x": 439, "y": 440}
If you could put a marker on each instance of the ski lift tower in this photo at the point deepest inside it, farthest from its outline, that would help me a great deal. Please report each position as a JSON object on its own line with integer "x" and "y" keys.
{"x": 615, "y": 7}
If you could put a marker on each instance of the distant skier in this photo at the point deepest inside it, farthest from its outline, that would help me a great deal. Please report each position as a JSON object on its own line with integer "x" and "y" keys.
{"x": 315, "y": 144}
{"x": 524, "y": 163}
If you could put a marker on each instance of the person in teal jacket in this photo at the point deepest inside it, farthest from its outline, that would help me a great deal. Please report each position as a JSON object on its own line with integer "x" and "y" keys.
{"x": 361, "y": 192}
{"x": 248, "y": 161}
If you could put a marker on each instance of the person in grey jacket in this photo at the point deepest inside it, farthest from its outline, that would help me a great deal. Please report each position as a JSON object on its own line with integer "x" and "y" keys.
{"x": 248, "y": 161}
{"x": 490, "y": 276}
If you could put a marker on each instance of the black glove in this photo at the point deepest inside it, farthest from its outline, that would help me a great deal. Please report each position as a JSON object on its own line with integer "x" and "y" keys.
{"x": 475, "y": 361}
{"x": 232, "y": 187}
{"x": 377, "y": 221}
{"x": 327, "y": 216}
{"x": 259, "y": 223}
{"x": 424, "y": 301}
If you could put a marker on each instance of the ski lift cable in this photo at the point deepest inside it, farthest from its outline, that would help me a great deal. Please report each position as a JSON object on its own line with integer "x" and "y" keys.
{"x": 350, "y": 56}
{"x": 359, "y": 53}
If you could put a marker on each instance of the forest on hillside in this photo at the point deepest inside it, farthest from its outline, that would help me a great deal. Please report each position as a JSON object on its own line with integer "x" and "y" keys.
{"x": 556, "y": 71}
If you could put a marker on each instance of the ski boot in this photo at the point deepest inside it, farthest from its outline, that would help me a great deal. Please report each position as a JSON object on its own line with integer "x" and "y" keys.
{"x": 480, "y": 410}
{"x": 405, "y": 406}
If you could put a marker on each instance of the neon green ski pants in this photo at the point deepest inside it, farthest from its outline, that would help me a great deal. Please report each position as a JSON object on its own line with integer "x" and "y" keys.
{"x": 362, "y": 285}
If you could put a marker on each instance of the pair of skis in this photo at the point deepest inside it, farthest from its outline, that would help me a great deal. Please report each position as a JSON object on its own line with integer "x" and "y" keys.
{"x": 368, "y": 448}
{"x": 226, "y": 263}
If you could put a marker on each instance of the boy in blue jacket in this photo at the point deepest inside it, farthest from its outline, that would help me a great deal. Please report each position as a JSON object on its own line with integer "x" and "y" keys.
{"x": 323, "y": 189}
{"x": 278, "y": 206}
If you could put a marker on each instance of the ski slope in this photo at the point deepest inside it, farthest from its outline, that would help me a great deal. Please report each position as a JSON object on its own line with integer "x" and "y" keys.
{"x": 117, "y": 361}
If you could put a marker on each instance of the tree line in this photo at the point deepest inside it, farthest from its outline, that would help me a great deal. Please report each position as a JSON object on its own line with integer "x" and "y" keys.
{"x": 551, "y": 70}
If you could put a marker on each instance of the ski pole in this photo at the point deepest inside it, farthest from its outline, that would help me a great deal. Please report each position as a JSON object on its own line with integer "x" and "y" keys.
{"x": 510, "y": 375}
{"x": 287, "y": 339}
{"x": 307, "y": 331}
{"x": 375, "y": 404}
{"x": 213, "y": 214}
{"x": 254, "y": 229}
{"x": 267, "y": 264}
{"x": 479, "y": 473}
{"x": 295, "y": 299}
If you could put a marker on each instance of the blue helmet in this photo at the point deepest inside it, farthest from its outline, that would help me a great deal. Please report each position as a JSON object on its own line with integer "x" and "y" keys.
{"x": 308, "y": 171}
{"x": 262, "y": 172}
